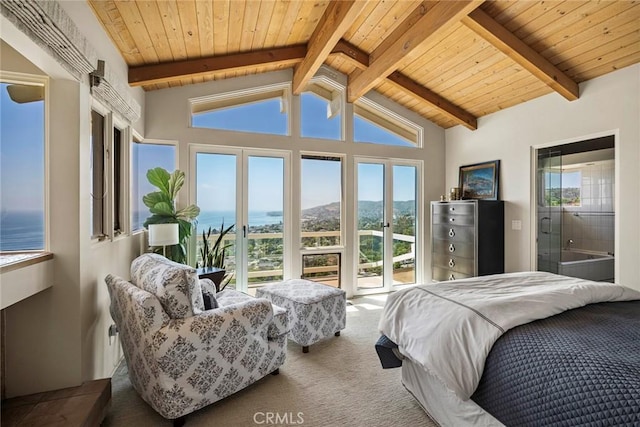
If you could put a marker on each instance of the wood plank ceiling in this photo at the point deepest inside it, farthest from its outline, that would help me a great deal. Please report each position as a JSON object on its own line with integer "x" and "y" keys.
{"x": 449, "y": 61}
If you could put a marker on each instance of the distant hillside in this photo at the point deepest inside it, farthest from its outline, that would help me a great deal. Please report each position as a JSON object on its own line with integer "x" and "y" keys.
{"x": 330, "y": 211}
{"x": 366, "y": 208}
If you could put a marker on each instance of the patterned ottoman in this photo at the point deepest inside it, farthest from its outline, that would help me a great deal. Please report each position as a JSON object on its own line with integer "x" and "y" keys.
{"x": 316, "y": 311}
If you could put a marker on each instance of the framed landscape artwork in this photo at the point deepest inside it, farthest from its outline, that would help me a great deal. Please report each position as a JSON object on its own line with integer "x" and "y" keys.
{"x": 480, "y": 180}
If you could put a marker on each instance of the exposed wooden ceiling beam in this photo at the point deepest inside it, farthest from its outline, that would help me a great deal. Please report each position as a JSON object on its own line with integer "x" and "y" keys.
{"x": 443, "y": 105}
{"x": 505, "y": 41}
{"x": 164, "y": 72}
{"x": 157, "y": 73}
{"x": 336, "y": 20}
{"x": 361, "y": 60}
{"x": 424, "y": 22}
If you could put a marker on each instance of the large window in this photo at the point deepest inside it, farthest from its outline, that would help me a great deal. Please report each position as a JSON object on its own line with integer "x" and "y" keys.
{"x": 263, "y": 110}
{"x": 321, "y": 199}
{"x": 145, "y": 156}
{"x": 22, "y": 167}
{"x": 374, "y": 124}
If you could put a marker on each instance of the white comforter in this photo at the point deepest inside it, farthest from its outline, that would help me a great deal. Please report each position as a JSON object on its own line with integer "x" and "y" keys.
{"x": 449, "y": 328}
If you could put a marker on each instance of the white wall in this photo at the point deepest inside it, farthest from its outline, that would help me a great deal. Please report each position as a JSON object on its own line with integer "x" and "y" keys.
{"x": 168, "y": 118}
{"x": 607, "y": 105}
{"x": 58, "y": 337}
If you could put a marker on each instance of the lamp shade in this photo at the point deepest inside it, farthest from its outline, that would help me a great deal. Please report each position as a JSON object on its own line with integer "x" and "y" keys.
{"x": 163, "y": 234}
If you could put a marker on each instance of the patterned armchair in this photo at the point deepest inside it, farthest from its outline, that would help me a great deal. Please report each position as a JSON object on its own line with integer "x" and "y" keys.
{"x": 182, "y": 357}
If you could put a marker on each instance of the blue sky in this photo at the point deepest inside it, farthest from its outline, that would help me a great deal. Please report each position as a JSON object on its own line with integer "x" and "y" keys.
{"x": 21, "y": 154}
{"x": 216, "y": 173}
{"x": 22, "y": 157}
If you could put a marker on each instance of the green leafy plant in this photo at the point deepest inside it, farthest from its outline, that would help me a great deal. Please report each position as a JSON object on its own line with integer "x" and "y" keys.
{"x": 214, "y": 255}
{"x": 163, "y": 209}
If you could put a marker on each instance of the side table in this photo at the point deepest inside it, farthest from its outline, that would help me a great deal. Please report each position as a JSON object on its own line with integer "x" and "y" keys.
{"x": 212, "y": 273}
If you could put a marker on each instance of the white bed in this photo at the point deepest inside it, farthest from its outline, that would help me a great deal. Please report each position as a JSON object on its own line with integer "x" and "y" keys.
{"x": 445, "y": 331}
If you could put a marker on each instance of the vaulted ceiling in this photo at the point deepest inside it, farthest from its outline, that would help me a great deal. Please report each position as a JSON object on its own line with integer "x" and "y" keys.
{"x": 449, "y": 61}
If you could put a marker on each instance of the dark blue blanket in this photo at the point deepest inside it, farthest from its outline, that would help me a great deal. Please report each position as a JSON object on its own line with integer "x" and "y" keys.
{"x": 578, "y": 368}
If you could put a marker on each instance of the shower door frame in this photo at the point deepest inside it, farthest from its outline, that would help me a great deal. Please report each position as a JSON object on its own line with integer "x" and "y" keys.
{"x": 554, "y": 244}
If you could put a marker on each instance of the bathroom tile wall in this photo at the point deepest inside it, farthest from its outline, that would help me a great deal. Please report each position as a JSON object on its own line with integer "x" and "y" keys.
{"x": 591, "y": 225}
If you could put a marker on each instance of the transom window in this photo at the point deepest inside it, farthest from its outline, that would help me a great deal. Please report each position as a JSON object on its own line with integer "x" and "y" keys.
{"x": 262, "y": 110}
{"x": 375, "y": 124}
{"x": 321, "y": 110}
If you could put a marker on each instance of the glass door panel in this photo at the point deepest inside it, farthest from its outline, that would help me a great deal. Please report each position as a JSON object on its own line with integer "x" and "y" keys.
{"x": 549, "y": 201}
{"x": 216, "y": 193}
{"x": 265, "y": 220}
{"x": 371, "y": 224}
{"x": 404, "y": 224}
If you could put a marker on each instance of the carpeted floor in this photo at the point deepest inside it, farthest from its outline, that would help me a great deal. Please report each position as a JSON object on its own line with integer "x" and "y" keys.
{"x": 338, "y": 383}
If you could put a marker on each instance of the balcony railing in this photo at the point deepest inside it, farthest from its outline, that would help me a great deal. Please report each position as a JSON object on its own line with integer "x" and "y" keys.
{"x": 257, "y": 274}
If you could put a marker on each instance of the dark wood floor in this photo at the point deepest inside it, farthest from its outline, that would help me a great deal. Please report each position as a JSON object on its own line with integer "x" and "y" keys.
{"x": 85, "y": 405}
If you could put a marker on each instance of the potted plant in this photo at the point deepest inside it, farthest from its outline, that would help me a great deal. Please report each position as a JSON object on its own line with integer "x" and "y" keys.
{"x": 162, "y": 205}
{"x": 213, "y": 256}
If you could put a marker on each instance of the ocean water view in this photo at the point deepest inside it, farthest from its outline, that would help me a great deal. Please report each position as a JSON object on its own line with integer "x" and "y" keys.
{"x": 214, "y": 219}
{"x": 25, "y": 230}
{"x": 21, "y": 230}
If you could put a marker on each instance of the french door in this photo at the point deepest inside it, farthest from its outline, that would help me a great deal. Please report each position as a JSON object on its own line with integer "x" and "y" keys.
{"x": 387, "y": 219}
{"x": 248, "y": 188}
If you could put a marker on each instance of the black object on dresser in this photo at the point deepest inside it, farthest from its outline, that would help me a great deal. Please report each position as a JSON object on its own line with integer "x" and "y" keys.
{"x": 467, "y": 238}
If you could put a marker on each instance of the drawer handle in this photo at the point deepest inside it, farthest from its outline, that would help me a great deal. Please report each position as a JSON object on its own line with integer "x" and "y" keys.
{"x": 452, "y": 209}
{"x": 452, "y": 263}
{"x": 452, "y": 219}
{"x": 451, "y": 277}
{"x": 452, "y": 232}
{"x": 452, "y": 248}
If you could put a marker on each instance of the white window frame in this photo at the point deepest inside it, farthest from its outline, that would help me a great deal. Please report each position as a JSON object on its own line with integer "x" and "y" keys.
{"x": 388, "y": 164}
{"x": 242, "y": 155}
{"x": 210, "y": 103}
{"x": 378, "y": 115}
{"x": 343, "y": 167}
{"x": 37, "y": 80}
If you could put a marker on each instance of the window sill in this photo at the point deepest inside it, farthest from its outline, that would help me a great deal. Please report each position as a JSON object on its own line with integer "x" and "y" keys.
{"x": 10, "y": 261}
{"x": 24, "y": 274}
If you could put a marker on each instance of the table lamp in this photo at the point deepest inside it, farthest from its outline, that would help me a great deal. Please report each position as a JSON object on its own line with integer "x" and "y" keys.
{"x": 163, "y": 235}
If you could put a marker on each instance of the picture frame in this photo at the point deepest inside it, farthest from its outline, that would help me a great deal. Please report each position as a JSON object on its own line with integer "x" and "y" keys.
{"x": 480, "y": 180}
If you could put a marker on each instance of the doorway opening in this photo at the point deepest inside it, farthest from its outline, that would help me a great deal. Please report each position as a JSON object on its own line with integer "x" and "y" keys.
{"x": 575, "y": 215}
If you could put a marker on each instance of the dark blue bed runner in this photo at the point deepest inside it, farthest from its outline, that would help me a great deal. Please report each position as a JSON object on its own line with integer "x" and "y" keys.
{"x": 578, "y": 368}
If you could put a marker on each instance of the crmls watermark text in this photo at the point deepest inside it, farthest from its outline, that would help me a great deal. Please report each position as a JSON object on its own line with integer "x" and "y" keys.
{"x": 277, "y": 418}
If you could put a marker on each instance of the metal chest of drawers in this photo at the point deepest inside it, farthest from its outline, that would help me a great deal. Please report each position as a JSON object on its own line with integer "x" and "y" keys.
{"x": 467, "y": 239}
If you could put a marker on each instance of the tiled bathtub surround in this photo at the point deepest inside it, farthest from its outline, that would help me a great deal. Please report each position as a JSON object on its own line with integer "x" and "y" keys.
{"x": 591, "y": 225}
